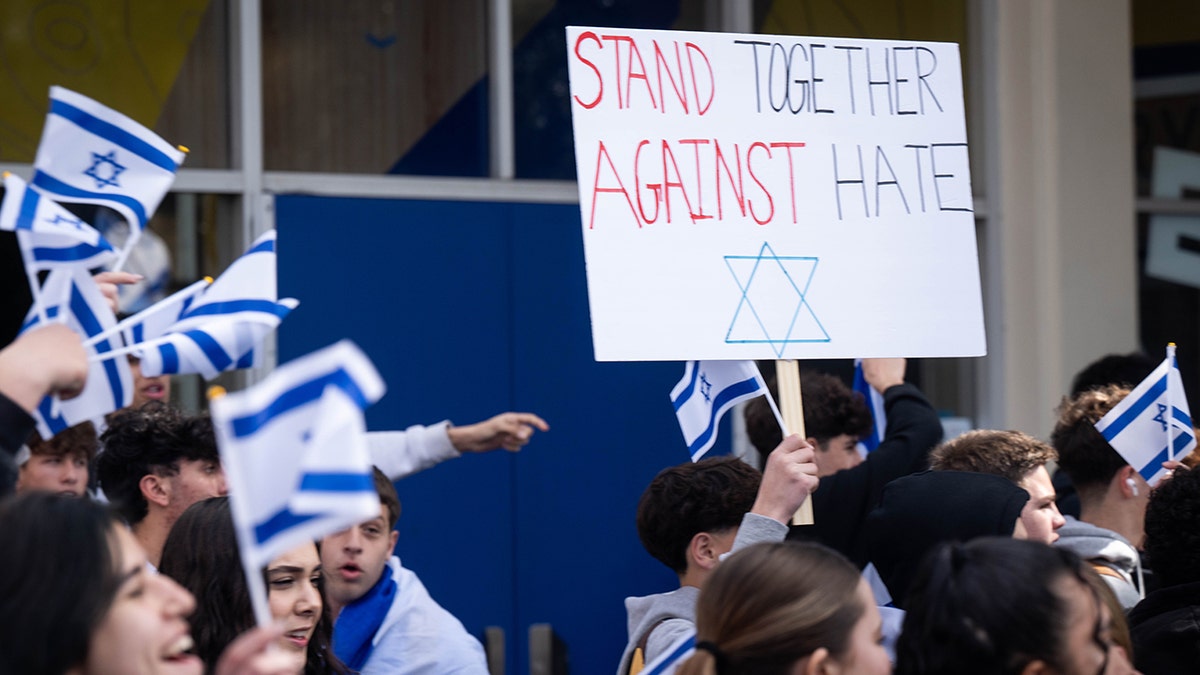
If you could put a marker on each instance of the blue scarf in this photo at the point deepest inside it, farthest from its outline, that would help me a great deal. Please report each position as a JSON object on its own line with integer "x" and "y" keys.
{"x": 355, "y": 628}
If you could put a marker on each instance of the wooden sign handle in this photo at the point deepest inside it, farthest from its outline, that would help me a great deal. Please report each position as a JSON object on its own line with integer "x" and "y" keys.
{"x": 787, "y": 378}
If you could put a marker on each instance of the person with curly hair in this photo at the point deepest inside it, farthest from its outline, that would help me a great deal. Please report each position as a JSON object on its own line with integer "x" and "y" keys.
{"x": 61, "y": 463}
{"x": 1165, "y": 626}
{"x": 1112, "y": 494}
{"x": 835, "y": 418}
{"x": 156, "y": 463}
{"x": 691, "y": 516}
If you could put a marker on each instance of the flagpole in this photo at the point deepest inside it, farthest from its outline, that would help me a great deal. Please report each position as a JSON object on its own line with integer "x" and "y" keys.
{"x": 128, "y": 349}
{"x": 129, "y": 320}
{"x": 787, "y": 376}
{"x": 1170, "y": 416}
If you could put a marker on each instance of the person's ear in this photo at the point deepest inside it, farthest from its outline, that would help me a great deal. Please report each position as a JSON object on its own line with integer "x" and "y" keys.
{"x": 816, "y": 446}
{"x": 1127, "y": 477}
{"x": 703, "y": 551}
{"x": 155, "y": 489}
{"x": 395, "y": 536}
{"x": 821, "y": 662}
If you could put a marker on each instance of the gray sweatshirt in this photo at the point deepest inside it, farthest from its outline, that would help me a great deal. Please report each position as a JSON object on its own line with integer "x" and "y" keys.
{"x": 1106, "y": 548}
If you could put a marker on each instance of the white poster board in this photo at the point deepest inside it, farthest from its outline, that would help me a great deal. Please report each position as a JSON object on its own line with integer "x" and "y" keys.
{"x": 754, "y": 196}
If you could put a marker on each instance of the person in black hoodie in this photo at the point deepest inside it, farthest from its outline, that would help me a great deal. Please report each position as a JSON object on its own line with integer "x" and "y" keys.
{"x": 1166, "y": 625}
{"x": 835, "y": 417}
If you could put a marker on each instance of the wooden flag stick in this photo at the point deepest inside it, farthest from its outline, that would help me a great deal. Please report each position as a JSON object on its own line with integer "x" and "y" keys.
{"x": 787, "y": 377}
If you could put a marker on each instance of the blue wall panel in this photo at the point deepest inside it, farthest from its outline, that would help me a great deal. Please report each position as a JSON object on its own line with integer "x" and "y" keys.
{"x": 469, "y": 309}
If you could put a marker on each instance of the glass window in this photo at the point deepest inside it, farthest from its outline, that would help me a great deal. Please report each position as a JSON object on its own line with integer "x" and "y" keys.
{"x": 376, "y": 87}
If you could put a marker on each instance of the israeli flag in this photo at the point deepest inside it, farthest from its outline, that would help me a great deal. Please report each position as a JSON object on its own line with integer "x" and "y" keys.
{"x": 874, "y": 401}
{"x": 295, "y": 452}
{"x": 92, "y": 154}
{"x": 49, "y": 235}
{"x": 221, "y": 328}
{"x": 708, "y": 389}
{"x": 109, "y": 384}
{"x": 1153, "y": 423}
{"x": 681, "y": 650}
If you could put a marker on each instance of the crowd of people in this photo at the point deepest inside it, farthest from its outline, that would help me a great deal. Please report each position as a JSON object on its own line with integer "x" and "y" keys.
{"x": 925, "y": 556}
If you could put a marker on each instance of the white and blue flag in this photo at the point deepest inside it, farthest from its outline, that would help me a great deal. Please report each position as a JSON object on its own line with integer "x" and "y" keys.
{"x": 109, "y": 384}
{"x": 708, "y": 389}
{"x": 1153, "y": 423}
{"x": 874, "y": 401}
{"x": 220, "y": 329}
{"x": 679, "y": 651}
{"x": 49, "y": 235}
{"x": 294, "y": 450}
{"x": 92, "y": 154}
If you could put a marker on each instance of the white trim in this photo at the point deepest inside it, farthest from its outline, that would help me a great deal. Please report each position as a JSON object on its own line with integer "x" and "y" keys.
{"x": 424, "y": 187}
{"x": 247, "y": 113}
{"x": 502, "y": 155}
{"x": 1162, "y": 87}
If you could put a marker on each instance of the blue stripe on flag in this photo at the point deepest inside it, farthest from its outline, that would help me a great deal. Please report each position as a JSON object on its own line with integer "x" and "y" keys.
{"x": 283, "y": 520}
{"x": 1137, "y": 408}
{"x": 264, "y": 247}
{"x": 247, "y": 361}
{"x": 673, "y": 657}
{"x": 301, "y": 394}
{"x": 691, "y": 388}
{"x": 337, "y": 482}
{"x": 731, "y": 392}
{"x": 1182, "y": 417}
{"x": 52, "y": 184}
{"x": 1181, "y": 442}
{"x": 139, "y": 333}
{"x": 56, "y": 424}
{"x": 28, "y": 212}
{"x": 213, "y": 351}
{"x": 113, "y": 134}
{"x": 1155, "y": 465}
{"x": 77, "y": 252}
{"x": 91, "y": 325}
{"x": 170, "y": 358}
{"x": 232, "y": 306}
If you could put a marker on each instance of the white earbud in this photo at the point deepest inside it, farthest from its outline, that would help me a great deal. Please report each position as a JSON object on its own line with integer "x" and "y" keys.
{"x": 1132, "y": 486}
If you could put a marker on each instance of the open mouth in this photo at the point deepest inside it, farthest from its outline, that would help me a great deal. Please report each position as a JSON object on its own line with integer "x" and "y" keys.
{"x": 298, "y": 638}
{"x": 156, "y": 391}
{"x": 350, "y": 571}
{"x": 178, "y": 652}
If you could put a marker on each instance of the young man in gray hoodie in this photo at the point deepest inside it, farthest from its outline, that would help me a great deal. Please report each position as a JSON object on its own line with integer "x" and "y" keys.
{"x": 1112, "y": 494}
{"x": 692, "y": 515}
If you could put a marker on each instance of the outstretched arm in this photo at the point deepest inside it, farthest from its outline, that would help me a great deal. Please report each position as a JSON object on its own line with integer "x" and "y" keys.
{"x": 510, "y": 430}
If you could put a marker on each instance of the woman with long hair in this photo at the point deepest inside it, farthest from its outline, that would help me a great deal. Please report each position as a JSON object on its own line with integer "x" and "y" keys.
{"x": 786, "y": 609}
{"x": 77, "y": 597}
{"x": 201, "y": 554}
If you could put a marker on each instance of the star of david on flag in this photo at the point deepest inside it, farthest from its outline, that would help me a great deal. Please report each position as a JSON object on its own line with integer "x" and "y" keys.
{"x": 1153, "y": 423}
{"x": 709, "y": 389}
{"x": 85, "y": 310}
{"x": 92, "y": 154}
{"x": 49, "y": 235}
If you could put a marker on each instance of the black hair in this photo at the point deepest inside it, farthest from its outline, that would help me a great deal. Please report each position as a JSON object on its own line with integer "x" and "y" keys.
{"x": 1173, "y": 529}
{"x": 988, "y": 607}
{"x": 711, "y": 495}
{"x": 201, "y": 553}
{"x": 149, "y": 440}
{"x": 58, "y": 578}
{"x": 1126, "y": 370}
{"x": 830, "y": 410}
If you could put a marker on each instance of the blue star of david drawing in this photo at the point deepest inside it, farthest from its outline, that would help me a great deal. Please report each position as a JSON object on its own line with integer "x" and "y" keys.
{"x": 96, "y": 172}
{"x": 58, "y": 219}
{"x": 1162, "y": 409}
{"x": 705, "y": 388}
{"x": 774, "y": 308}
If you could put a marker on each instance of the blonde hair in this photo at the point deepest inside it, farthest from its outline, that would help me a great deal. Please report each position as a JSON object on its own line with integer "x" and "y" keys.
{"x": 770, "y": 605}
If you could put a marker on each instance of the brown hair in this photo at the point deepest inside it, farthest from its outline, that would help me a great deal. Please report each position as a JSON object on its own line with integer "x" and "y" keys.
{"x": 79, "y": 440}
{"x": 387, "y": 496}
{"x": 770, "y": 605}
{"x": 1082, "y": 452}
{"x": 1008, "y": 454}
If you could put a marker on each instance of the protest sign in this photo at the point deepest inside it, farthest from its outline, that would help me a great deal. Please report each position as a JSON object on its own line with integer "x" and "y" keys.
{"x": 772, "y": 197}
